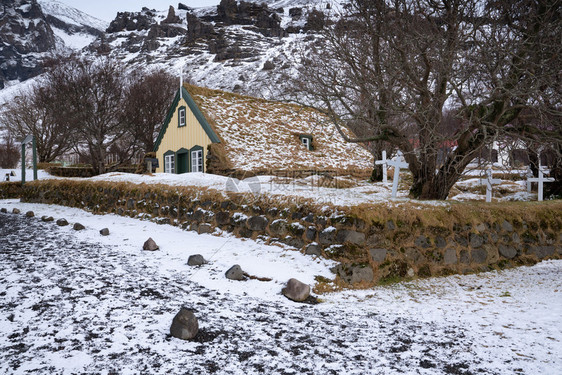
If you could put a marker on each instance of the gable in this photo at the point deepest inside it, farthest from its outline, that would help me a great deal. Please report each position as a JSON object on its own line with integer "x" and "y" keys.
{"x": 194, "y": 110}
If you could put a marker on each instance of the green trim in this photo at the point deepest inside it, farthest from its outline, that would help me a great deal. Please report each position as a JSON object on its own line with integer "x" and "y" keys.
{"x": 168, "y": 153}
{"x": 196, "y": 112}
{"x": 182, "y": 151}
{"x": 309, "y": 137}
{"x": 197, "y": 148}
{"x": 184, "y": 117}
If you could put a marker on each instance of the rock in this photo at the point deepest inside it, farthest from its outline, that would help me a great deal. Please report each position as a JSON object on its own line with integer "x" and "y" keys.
{"x": 235, "y": 273}
{"x": 268, "y": 65}
{"x": 479, "y": 256}
{"x": 327, "y": 236}
{"x": 150, "y": 245}
{"x": 296, "y": 290}
{"x": 171, "y": 18}
{"x": 464, "y": 257}
{"x": 104, "y": 232}
{"x": 351, "y": 236}
{"x": 450, "y": 256}
{"x": 78, "y": 226}
{"x": 205, "y": 228}
{"x": 414, "y": 255}
{"x": 62, "y": 222}
{"x": 310, "y": 233}
{"x": 16, "y": 211}
{"x": 196, "y": 260}
{"x": 3, "y": 210}
{"x": 506, "y": 251}
{"x": 47, "y": 218}
{"x": 506, "y": 226}
{"x": 30, "y": 214}
{"x": 411, "y": 272}
{"x": 378, "y": 255}
{"x": 184, "y": 325}
{"x": 257, "y": 223}
{"x": 440, "y": 242}
{"x": 542, "y": 251}
{"x": 476, "y": 240}
{"x": 222, "y": 218}
{"x": 422, "y": 242}
{"x": 390, "y": 225}
{"x": 278, "y": 227}
{"x": 313, "y": 249}
{"x": 354, "y": 273}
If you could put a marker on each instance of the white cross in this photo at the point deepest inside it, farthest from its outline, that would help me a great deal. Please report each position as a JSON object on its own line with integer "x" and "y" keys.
{"x": 489, "y": 181}
{"x": 529, "y": 175}
{"x": 541, "y": 179}
{"x": 397, "y": 164}
{"x": 384, "y": 164}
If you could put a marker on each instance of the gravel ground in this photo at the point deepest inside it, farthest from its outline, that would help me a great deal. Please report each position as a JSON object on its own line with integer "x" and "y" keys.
{"x": 68, "y": 304}
{"x": 71, "y": 305}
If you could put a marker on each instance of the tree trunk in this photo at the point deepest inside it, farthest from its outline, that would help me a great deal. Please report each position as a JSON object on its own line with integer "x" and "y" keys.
{"x": 377, "y": 173}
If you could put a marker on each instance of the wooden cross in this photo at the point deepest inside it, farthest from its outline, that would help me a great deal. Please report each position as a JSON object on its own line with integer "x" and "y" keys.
{"x": 397, "y": 164}
{"x": 384, "y": 164}
{"x": 541, "y": 179}
{"x": 489, "y": 181}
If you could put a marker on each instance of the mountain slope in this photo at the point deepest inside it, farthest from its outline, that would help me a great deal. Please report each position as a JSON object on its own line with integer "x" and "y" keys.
{"x": 74, "y": 29}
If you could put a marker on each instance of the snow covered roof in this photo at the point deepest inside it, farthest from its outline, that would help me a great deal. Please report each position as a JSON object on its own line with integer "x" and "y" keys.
{"x": 261, "y": 135}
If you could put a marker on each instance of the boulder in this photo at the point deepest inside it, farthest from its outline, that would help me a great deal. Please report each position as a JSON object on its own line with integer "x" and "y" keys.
{"x": 196, "y": 260}
{"x": 16, "y": 211}
{"x": 184, "y": 325}
{"x": 29, "y": 214}
{"x": 205, "y": 228}
{"x": 257, "y": 223}
{"x": 313, "y": 249}
{"x": 351, "y": 236}
{"x": 450, "y": 256}
{"x": 62, "y": 222}
{"x": 507, "y": 251}
{"x": 479, "y": 256}
{"x": 104, "y": 232}
{"x": 78, "y": 226}
{"x": 47, "y": 218}
{"x": 352, "y": 274}
{"x": 235, "y": 273}
{"x": 296, "y": 290}
{"x": 378, "y": 255}
{"x": 3, "y": 210}
{"x": 150, "y": 245}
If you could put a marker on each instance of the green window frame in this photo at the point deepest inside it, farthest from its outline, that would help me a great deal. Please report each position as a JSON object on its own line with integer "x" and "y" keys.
{"x": 169, "y": 162}
{"x": 197, "y": 159}
{"x": 182, "y": 116}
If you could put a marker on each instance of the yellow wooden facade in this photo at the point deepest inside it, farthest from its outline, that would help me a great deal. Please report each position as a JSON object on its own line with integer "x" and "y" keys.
{"x": 182, "y": 140}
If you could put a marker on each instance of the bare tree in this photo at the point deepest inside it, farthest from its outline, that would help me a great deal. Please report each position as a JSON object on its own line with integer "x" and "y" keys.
{"x": 90, "y": 96}
{"x": 9, "y": 152}
{"x": 149, "y": 95}
{"x": 400, "y": 66}
{"x": 32, "y": 112}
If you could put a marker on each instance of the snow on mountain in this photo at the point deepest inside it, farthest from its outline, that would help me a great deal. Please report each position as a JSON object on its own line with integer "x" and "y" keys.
{"x": 74, "y": 29}
{"x": 246, "y": 47}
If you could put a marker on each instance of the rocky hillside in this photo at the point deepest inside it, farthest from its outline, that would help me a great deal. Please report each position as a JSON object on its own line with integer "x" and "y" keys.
{"x": 25, "y": 37}
{"x": 241, "y": 46}
{"x": 31, "y": 30}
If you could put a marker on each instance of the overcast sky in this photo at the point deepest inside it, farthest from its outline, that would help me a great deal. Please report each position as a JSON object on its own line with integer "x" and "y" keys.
{"x": 107, "y": 9}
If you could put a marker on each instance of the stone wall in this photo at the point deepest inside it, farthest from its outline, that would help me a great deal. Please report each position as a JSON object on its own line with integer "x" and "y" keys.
{"x": 382, "y": 245}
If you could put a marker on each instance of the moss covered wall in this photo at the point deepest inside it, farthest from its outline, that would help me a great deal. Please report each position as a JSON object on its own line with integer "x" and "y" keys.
{"x": 372, "y": 243}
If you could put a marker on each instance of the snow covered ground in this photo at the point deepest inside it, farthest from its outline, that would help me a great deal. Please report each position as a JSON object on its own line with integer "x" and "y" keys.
{"x": 79, "y": 302}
